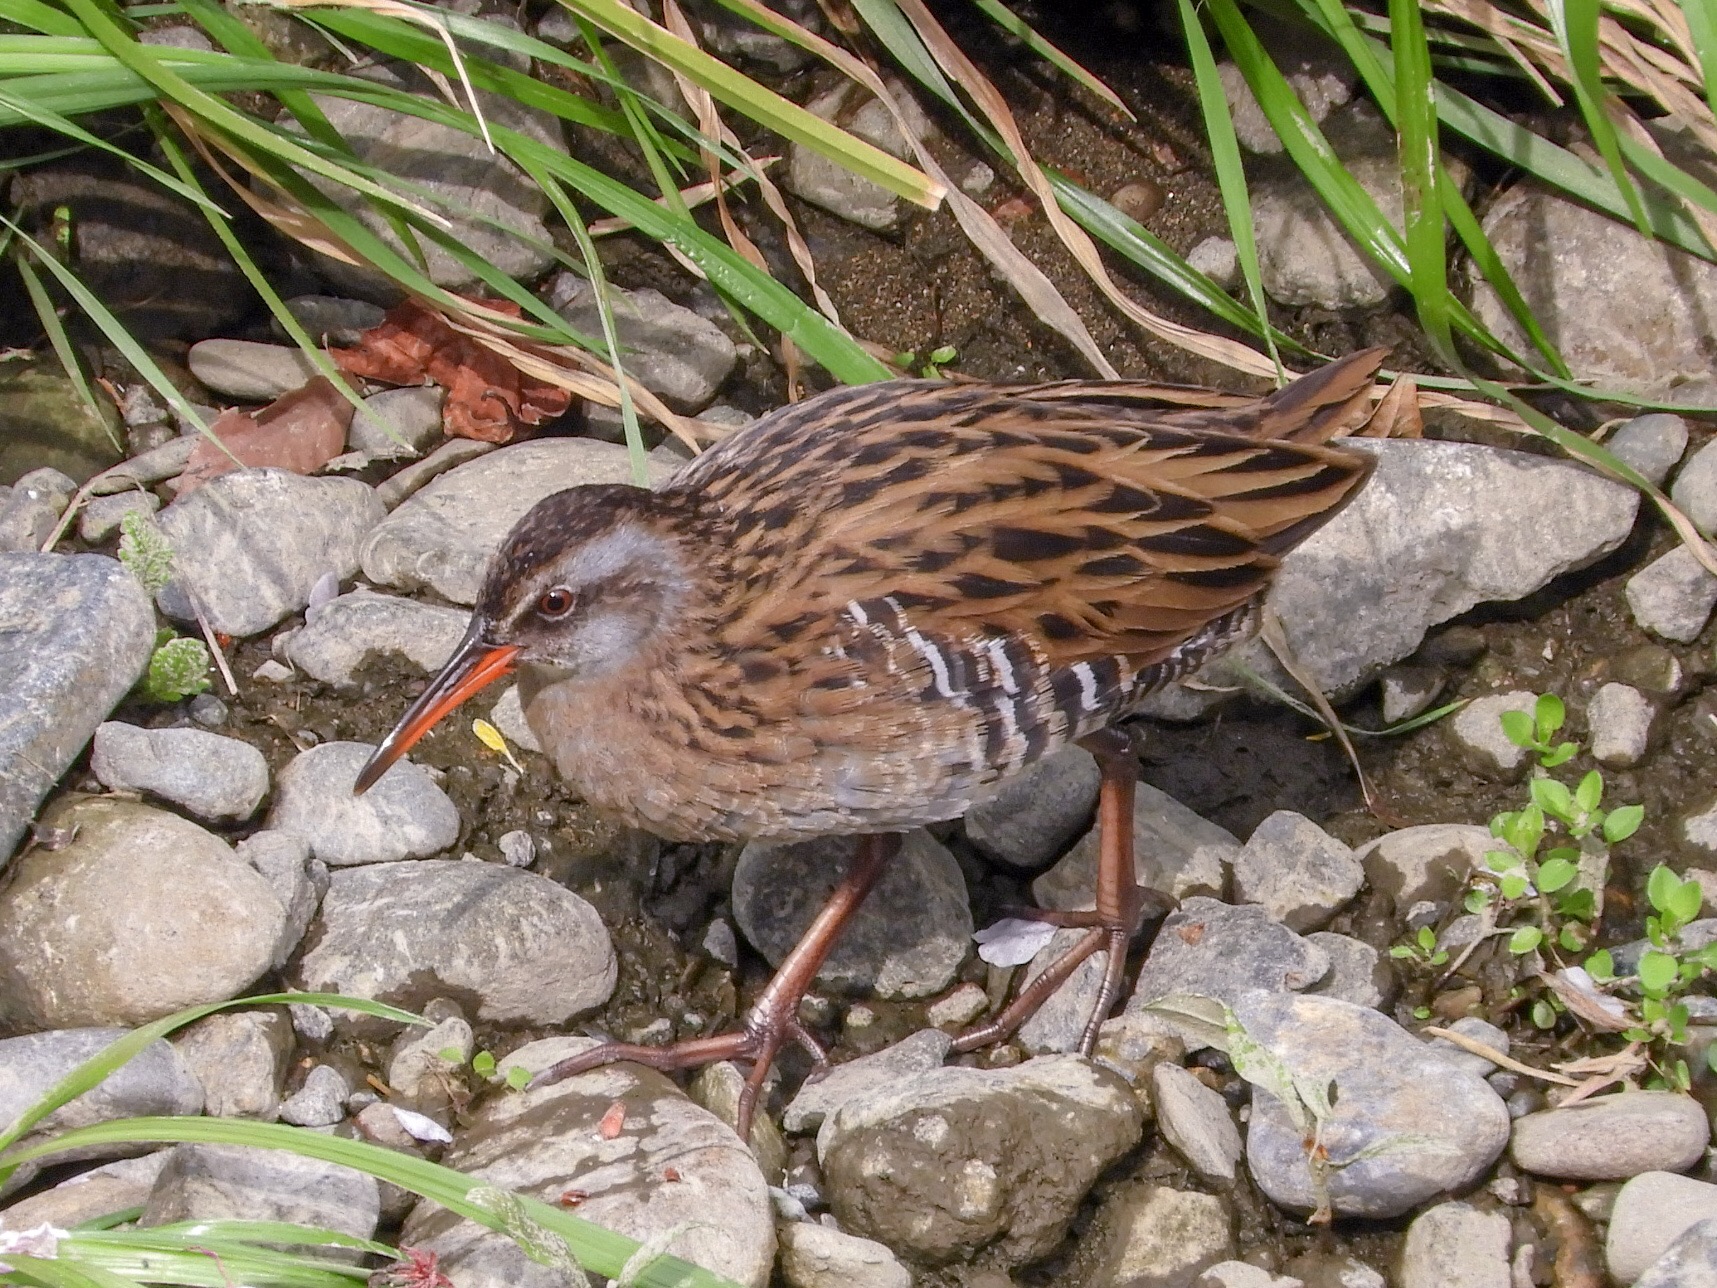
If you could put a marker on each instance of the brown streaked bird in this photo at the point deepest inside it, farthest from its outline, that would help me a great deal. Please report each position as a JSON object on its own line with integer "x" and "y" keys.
{"x": 859, "y": 613}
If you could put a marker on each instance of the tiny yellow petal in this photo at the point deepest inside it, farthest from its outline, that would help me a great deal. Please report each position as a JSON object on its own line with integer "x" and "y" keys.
{"x": 489, "y": 736}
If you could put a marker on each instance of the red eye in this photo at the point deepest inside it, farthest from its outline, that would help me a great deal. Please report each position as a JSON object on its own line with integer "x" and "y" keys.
{"x": 556, "y": 603}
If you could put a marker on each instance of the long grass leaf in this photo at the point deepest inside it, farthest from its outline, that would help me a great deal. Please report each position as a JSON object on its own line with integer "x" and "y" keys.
{"x": 1416, "y": 125}
{"x": 1020, "y": 29}
{"x": 62, "y": 345}
{"x": 1575, "y": 23}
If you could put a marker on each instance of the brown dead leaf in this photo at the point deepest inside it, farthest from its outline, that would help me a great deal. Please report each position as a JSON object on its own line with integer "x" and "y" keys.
{"x": 300, "y": 431}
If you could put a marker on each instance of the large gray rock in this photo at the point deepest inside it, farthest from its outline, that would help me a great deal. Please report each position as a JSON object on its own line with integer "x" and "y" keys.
{"x": 1406, "y": 1123}
{"x": 1689, "y": 1262}
{"x": 85, "y": 1196}
{"x": 442, "y": 537}
{"x": 154, "y": 1081}
{"x": 670, "y": 350}
{"x": 1652, "y": 1211}
{"x": 1456, "y": 1246}
{"x": 524, "y": 949}
{"x": 250, "y": 545}
{"x": 1440, "y": 527}
{"x": 404, "y": 816}
{"x": 241, "y": 1183}
{"x": 1613, "y": 1138}
{"x": 339, "y": 636}
{"x": 248, "y": 370}
{"x": 907, "y": 938}
{"x": 141, "y": 914}
{"x": 78, "y": 634}
{"x": 541, "y": 1142}
{"x": 211, "y": 776}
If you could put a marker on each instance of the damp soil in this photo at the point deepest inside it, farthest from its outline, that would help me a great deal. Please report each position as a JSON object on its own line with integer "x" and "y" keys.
{"x": 925, "y": 287}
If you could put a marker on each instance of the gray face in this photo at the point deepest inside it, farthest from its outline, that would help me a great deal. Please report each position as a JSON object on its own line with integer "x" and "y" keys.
{"x": 596, "y": 606}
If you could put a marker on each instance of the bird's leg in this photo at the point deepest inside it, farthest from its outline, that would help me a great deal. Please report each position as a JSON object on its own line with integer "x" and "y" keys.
{"x": 1119, "y": 911}
{"x": 774, "y": 1020}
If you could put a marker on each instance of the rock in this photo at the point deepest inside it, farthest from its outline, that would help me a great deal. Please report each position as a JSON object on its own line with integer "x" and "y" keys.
{"x": 79, "y": 631}
{"x": 1476, "y": 734}
{"x": 1297, "y": 872}
{"x": 339, "y": 636}
{"x": 243, "y": 1183}
{"x": 1175, "y": 852}
{"x": 719, "y": 1088}
{"x": 414, "y": 477}
{"x": 1406, "y": 1123}
{"x": 1689, "y": 1262}
{"x": 1619, "y": 717}
{"x": 670, "y": 350}
{"x": 1407, "y": 691}
{"x": 1652, "y": 1211}
{"x": 1315, "y": 67}
{"x": 1357, "y": 971}
{"x": 1032, "y": 816}
{"x": 523, "y": 949}
{"x": 331, "y": 318}
{"x": 1195, "y": 1120}
{"x": 1474, "y": 1029}
{"x": 140, "y": 915}
{"x": 398, "y": 424}
{"x": 154, "y": 1081}
{"x": 320, "y": 1102}
{"x": 100, "y": 517}
{"x": 497, "y": 212}
{"x": 211, "y": 776}
{"x": 1243, "y": 1274}
{"x": 1430, "y": 862}
{"x": 250, "y": 545}
{"x": 441, "y": 538}
{"x": 1651, "y": 443}
{"x": 422, "y": 1063}
{"x": 907, "y": 938}
{"x": 298, "y": 881}
{"x": 535, "y": 1142}
{"x": 1695, "y": 489}
{"x": 1218, "y": 259}
{"x": 831, "y": 185}
{"x": 508, "y": 715}
{"x": 1672, "y": 596}
{"x": 112, "y": 1187}
{"x": 946, "y": 1162}
{"x": 1456, "y": 1246}
{"x": 30, "y": 509}
{"x": 1209, "y": 949}
{"x": 1059, "y": 1024}
{"x": 404, "y": 816}
{"x": 814, "y": 1256}
{"x": 1700, "y": 829}
{"x": 1612, "y": 1138}
{"x": 1147, "y": 1234}
{"x": 249, "y": 371}
{"x": 240, "y": 1058}
{"x": 1334, "y": 1270}
{"x": 959, "y": 1008}
{"x": 854, "y": 1079}
{"x": 154, "y": 466}
{"x": 1440, "y": 527}
{"x": 1627, "y": 313}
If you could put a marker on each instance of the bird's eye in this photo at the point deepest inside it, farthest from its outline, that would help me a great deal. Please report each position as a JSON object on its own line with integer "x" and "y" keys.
{"x": 557, "y": 602}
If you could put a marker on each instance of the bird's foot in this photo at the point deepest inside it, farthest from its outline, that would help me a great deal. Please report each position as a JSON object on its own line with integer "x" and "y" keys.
{"x": 768, "y": 1028}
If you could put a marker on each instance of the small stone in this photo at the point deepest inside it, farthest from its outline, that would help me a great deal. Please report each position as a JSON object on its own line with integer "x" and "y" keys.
{"x": 249, "y": 371}
{"x": 670, "y": 350}
{"x": 1695, "y": 489}
{"x": 1218, "y": 259}
{"x": 1620, "y": 719}
{"x": 1409, "y": 690}
{"x": 1476, "y": 731}
{"x": 99, "y": 519}
{"x": 320, "y": 1102}
{"x": 1320, "y": 76}
{"x": 1059, "y": 1024}
{"x": 827, "y": 183}
{"x": 1700, "y": 829}
{"x": 1175, "y": 852}
{"x": 1151, "y": 1234}
{"x": 331, "y": 318}
{"x": 1651, "y": 443}
{"x": 814, "y": 1256}
{"x": 245, "y": 1183}
{"x": 405, "y": 815}
{"x": 240, "y": 1058}
{"x": 721, "y": 943}
{"x": 272, "y": 672}
{"x": 965, "y": 1004}
{"x": 508, "y": 715}
{"x": 311, "y": 1023}
{"x": 1427, "y": 863}
{"x": 87, "y": 1196}
{"x": 1651, "y": 1212}
{"x": 207, "y": 710}
{"x": 718, "y": 1088}
{"x": 339, "y": 636}
{"x": 1195, "y": 1120}
{"x": 1649, "y": 667}
{"x": 1456, "y": 1246}
{"x": 1613, "y": 1138}
{"x": 422, "y": 1063}
{"x": 1243, "y": 1274}
{"x": 156, "y": 1080}
{"x": 398, "y": 424}
{"x": 1139, "y": 200}
{"x": 1300, "y": 874}
{"x": 1672, "y": 596}
{"x": 211, "y": 776}
{"x": 1033, "y": 816}
{"x": 518, "y": 848}
{"x": 1477, "y": 1030}
{"x": 1357, "y": 971}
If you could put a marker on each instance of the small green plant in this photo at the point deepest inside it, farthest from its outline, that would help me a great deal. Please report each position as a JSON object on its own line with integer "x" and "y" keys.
{"x": 178, "y": 669}
{"x": 1422, "y": 948}
{"x": 144, "y": 551}
{"x": 931, "y": 365}
{"x": 485, "y": 1066}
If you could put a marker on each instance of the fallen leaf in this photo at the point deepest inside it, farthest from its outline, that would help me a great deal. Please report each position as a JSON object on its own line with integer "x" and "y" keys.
{"x": 300, "y": 431}
{"x": 612, "y": 1121}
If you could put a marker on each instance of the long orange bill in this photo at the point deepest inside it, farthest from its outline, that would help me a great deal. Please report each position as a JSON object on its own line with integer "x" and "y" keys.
{"x": 475, "y": 664}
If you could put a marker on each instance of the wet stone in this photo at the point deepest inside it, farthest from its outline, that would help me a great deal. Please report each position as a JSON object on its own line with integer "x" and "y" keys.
{"x": 249, "y": 371}
{"x": 1651, "y": 1212}
{"x": 141, "y": 914}
{"x": 1035, "y": 814}
{"x": 1689, "y": 1262}
{"x": 250, "y": 545}
{"x": 538, "y": 1142}
{"x": 1407, "y": 1124}
{"x": 442, "y": 537}
{"x": 1613, "y": 1138}
{"x": 79, "y": 631}
{"x": 952, "y": 1160}
{"x": 1620, "y": 718}
{"x": 1175, "y": 852}
{"x": 923, "y": 1051}
{"x": 1652, "y": 443}
{"x": 1211, "y": 949}
{"x": 242, "y": 1183}
{"x": 1195, "y": 1120}
{"x": 1695, "y": 489}
{"x": 208, "y": 775}
{"x": 519, "y": 947}
{"x": 240, "y": 1058}
{"x": 1300, "y": 874}
{"x": 404, "y": 816}
{"x": 1673, "y": 596}
{"x": 906, "y": 940}
{"x": 1454, "y": 1245}
{"x": 1153, "y": 1235}
{"x": 815, "y": 1256}
{"x": 339, "y": 636}
{"x": 1476, "y": 733}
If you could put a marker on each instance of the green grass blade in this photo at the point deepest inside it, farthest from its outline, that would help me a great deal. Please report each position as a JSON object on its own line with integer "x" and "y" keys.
{"x": 1575, "y": 23}
{"x": 1416, "y": 126}
{"x": 1230, "y": 171}
{"x": 62, "y": 345}
{"x": 36, "y": 16}
{"x": 1701, "y": 18}
{"x": 61, "y": 1273}
{"x": 1021, "y": 30}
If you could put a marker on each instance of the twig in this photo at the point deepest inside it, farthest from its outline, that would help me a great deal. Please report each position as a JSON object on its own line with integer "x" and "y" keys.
{"x": 1496, "y": 1057}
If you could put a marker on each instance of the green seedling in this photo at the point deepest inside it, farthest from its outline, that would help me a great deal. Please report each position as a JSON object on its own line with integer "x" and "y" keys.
{"x": 178, "y": 669}
{"x": 1422, "y": 948}
{"x": 144, "y": 551}
{"x": 1535, "y": 731}
{"x": 931, "y": 365}
{"x": 485, "y": 1066}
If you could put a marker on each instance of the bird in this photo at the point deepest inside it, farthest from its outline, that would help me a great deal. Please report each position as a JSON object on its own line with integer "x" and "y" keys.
{"x": 860, "y": 613}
